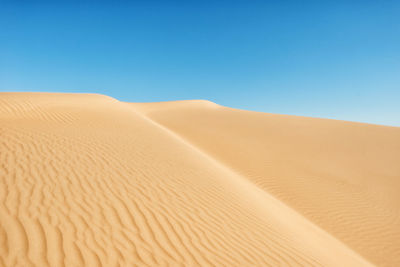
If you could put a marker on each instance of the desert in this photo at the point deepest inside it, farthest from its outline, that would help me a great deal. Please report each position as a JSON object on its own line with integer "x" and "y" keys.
{"x": 87, "y": 180}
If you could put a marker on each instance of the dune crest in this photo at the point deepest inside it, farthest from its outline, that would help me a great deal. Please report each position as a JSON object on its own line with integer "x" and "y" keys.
{"x": 343, "y": 176}
{"x": 91, "y": 181}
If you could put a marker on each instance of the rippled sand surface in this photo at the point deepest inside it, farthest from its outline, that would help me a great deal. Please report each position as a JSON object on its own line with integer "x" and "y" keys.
{"x": 87, "y": 180}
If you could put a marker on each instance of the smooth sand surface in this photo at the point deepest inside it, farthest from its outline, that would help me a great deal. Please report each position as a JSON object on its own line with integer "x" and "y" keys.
{"x": 87, "y": 180}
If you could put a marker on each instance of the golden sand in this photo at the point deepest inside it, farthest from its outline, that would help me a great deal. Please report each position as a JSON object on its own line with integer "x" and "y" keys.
{"x": 87, "y": 180}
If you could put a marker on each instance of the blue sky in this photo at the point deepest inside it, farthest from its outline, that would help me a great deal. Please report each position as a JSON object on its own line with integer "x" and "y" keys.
{"x": 332, "y": 59}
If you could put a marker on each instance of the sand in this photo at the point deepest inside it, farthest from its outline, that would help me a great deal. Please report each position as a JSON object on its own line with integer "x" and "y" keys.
{"x": 87, "y": 180}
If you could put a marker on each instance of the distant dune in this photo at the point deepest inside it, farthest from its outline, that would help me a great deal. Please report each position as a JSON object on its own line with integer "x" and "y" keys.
{"x": 87, "y": 180}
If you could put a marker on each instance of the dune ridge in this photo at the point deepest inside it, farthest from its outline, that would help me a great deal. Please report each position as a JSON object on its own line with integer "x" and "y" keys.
{"x": 91, "y": 181}
{"x": 343, "y": 176}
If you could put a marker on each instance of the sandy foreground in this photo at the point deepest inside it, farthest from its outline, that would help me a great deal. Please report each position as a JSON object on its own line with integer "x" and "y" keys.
{"x": 87, "y": 180}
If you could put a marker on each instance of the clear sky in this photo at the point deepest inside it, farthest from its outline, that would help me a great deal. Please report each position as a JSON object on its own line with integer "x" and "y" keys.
{"x": 332, "y": 59}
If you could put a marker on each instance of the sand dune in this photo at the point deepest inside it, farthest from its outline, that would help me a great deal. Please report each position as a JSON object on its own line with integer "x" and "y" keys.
{"x": 87, "y": 180}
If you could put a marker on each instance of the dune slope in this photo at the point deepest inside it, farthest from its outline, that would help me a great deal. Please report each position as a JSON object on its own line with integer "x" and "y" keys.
{"x": 342, "y": 176}
{"x": 87, "y": 180}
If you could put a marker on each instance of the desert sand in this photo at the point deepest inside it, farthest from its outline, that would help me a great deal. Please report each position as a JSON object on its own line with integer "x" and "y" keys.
{"x": 87, "y": 180}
